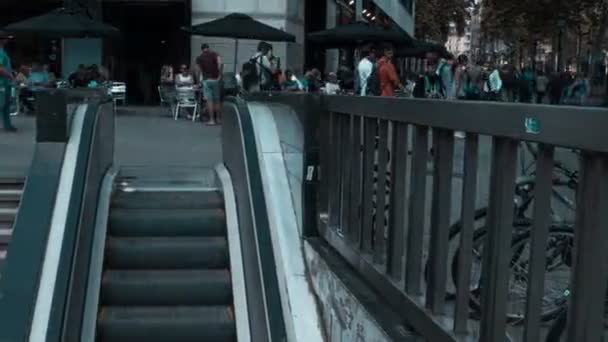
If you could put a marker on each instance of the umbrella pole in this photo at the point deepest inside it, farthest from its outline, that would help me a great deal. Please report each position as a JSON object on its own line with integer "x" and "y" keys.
{"x": 236, "y": 53}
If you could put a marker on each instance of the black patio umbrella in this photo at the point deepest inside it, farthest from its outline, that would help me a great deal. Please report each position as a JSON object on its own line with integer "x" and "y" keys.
{"x": 240, "y": 26}
{"x": 359, "y": 33}
{"x": 421, "y": 48}
{"x": 64, "y": 23}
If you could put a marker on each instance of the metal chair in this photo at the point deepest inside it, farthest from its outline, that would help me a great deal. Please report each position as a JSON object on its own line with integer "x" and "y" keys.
{"x": 186, "y": 98}
{"x": 15, "y": 101}
{"x": 118, "y": 91}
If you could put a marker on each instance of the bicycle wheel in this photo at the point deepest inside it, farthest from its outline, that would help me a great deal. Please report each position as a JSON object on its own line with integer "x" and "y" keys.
{"x": 558, "y": 327}
{"x": 557, "y": 273}
{"x": 479, "y": 229}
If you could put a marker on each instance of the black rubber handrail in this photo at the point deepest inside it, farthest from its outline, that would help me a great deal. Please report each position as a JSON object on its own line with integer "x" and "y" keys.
{"x": 20, "y": 281}
{"x": 254, "y": 199}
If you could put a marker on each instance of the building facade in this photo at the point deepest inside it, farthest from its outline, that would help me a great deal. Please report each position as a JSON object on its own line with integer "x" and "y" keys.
{"x": 287, "y": 15}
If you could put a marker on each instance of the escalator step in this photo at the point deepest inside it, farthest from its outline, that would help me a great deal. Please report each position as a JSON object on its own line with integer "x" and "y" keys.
{"x": 5, "y": 235}
{"x": 166, "y": 287}
{"x": 168, "y": 200}
{"x": 8, "y": 214}
{"x": 165, "y": 222}
{"x": 166, "y": 324}
{"x": 167, "y": 253}
{"x": 10, "y": 195}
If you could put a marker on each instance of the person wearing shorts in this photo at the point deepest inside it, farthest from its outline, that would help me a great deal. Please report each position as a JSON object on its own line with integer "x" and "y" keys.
{"x": 211, "y": 69}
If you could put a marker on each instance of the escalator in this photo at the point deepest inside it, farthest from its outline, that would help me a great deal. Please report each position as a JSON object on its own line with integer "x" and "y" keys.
{"x": 11, "y": 190}
{"x": 102, "y": 254}
{"x": 166, "y": 268}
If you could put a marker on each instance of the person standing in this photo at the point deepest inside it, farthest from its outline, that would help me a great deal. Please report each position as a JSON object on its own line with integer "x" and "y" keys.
{"x": 389, "y": 80}
{"x": 365, "y": 69}
{"x": 542, "y": 81}
{"x": 210, "y": 65}
{"x": 6, "y": 82}
{"x": 264, "y": 66}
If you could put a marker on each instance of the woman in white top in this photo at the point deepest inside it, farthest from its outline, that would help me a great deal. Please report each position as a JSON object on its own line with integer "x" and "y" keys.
{"x": 184, "y": 78}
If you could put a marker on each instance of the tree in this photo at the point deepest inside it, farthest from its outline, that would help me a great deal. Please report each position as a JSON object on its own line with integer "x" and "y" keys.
{"x": 518, "y": 22}
{"x": 433, "y": 18}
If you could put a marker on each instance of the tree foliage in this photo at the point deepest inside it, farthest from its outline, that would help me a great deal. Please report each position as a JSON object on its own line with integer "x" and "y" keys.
{"x": 433, "y": 18}
{"x": 514, "y": 21}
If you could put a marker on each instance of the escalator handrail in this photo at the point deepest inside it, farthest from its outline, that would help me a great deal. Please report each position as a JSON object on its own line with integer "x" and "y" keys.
{"x": 72, "y": 267}
{"x": 23, "y": 265}
{"x": 275, "y": 324}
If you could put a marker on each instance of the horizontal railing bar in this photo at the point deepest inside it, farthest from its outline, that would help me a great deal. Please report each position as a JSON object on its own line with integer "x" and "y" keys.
{"x": 547, "y": 124}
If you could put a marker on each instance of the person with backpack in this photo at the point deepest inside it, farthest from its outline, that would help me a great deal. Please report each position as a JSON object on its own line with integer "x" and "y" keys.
{"x": 492, "y": 84}
{"x": 469, "y": 82}
{"x": 444, "y": 72}
{"x": 389, "y": 79}
{"x": 260, "y": 68}
{"x": 429, "y": 84}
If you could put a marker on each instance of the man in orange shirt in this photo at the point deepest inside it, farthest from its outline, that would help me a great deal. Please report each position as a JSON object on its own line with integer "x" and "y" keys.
{"x": 389, "y": 80}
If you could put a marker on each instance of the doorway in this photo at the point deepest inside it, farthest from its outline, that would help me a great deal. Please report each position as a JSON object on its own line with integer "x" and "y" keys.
{"x": 150, "y": 37}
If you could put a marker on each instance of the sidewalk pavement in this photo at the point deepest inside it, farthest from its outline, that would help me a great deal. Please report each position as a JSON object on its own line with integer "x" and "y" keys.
{"x": 145, "y": 136}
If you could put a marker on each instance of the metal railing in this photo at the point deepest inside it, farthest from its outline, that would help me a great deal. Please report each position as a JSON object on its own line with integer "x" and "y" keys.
{"x": 387, "y": 201}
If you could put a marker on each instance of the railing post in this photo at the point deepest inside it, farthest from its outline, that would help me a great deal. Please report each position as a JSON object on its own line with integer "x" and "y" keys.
{"x": 590, "y": 277}
{"x": 467, "y": 214}
{"x": 398, "y": 201}
{"x": 495, "y": 276}
{"x": 443, "y": 141}
{"x": 416, "y": 221}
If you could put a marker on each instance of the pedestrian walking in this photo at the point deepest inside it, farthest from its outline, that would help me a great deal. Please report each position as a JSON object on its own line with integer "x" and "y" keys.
{"x": 493, "y": 85}
{"x": 210, "y": 65}
{"x": 389, "y": 79}
{"x": 6, "y": 83}
{"x": 469, "y": 82}
{"x": 366, "y": 69}
{"x": 542, "y": 81}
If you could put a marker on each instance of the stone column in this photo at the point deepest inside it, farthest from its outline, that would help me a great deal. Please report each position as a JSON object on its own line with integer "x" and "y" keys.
{"x": 359, "y": 10}
{"x": 331, "y": 56}
{"x": 82, "y": 50}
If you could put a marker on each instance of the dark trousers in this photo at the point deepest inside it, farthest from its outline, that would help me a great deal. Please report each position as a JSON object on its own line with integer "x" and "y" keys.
{"x": 540, "y": 96}
{"x": 5, "y": 106}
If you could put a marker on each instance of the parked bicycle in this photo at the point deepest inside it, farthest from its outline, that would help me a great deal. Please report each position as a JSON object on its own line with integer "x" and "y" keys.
{"x": 560, "y": 241}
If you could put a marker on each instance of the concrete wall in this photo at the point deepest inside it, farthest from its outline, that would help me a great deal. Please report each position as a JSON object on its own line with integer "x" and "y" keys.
{"x": 287, "y": 15}
{"x": 396, "y": 10}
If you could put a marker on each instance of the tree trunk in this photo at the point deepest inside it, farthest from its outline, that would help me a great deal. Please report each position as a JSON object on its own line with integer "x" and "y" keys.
{"x": 596, "y": 48}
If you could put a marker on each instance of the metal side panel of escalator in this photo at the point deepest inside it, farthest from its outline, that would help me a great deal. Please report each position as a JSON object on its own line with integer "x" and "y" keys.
{"x": 161, "y": 268}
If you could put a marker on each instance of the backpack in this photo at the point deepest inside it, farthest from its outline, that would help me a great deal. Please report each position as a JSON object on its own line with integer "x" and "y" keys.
{"x": 252, "y": 74}
{"x": 229, "y": 84}
{"x": 373, "y": 82}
